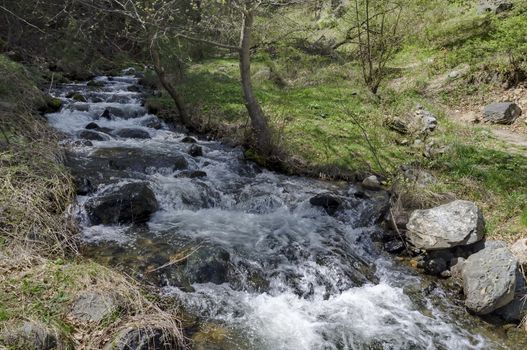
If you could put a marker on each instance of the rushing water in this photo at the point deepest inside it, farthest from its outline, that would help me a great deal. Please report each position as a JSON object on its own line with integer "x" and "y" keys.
{"x": 244, "y": 248}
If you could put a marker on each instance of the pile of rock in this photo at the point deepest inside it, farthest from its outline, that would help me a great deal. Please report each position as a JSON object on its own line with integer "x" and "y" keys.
{"x": 451, "y": 236}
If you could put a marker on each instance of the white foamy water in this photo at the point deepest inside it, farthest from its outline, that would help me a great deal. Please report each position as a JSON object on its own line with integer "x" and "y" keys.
{"x": 295, "y": 278}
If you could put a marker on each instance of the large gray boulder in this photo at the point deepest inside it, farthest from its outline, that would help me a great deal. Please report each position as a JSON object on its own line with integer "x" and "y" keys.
{"x": 122, "y": 204}
{"x": 502, "y": 113}
{"x": 454, "y": 224}
{"x": 489, "y": 280}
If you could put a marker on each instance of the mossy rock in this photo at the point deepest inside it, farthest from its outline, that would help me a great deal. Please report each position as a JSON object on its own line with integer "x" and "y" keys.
{"x": 52, "y": 105}
{"x": 76, "y": 96}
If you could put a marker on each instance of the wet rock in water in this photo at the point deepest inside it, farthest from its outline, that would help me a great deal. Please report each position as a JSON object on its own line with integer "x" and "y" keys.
{"x": 106, "y": 115}
{"x": 31, "y": 335}
{"x": 95, "y": 84}
{"x": 81, "y": 143}
{"x": 372, "y": 183}
{"x": 152, "y": 122}
{"x": 519, "y": 250}
{"x": 502, "y": 113}
{"x": 189, "y": 139}
{"x": 93, "y": 307}
{"x": 144, "y": 338}
{"x": 458, "y": 223}
{"x": 91, "y": 126}
{"x": 116, "y": 112}
{"x": 124, "y": 204}
{"x": 83, "y": 186}
{"x": 93, "y": 135}
{"x": 192, "y": 174}
{"x": 329, "y": 201}
{"x": 394, "y": 246}
{"x": 104, "y": 130}
{"x": 132, "y": 133}
{"x": 76, "y": 96}
{"x": 435, "y": 266}
{"x": 132, "y": 159}
{"x": 80, "y": 107}
{"x": 206, "y": 265}
{"x": 195, "y": 151}
{"x": 489, "y": 280}
{"x": 134, "y": 88}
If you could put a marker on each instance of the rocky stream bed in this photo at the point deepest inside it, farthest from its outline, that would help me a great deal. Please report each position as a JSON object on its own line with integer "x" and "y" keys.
{"x": 278, "y": 262}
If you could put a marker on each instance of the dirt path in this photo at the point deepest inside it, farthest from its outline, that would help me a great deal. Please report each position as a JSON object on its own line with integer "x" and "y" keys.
{"x": 513, "y": 137}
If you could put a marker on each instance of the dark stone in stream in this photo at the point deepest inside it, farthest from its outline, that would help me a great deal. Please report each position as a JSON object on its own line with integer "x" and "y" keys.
{"x": 133, "y": 133}
{"x": 195, "y": 151}
{"x": 394, "y": 247}
{"x": 134, "y": 88}
{"x": 92, "y": 135}
{"x": 109, "y": 165}
{"x": 329, "y": 201}
{"x": 192, "y": 174}
{"x": 83, "y": 186}
{"x": 125, "y": 204}
{"x": 152, "y": 122}
{"x": 136, "y": 159}
{"x": 189, "y": 139}
{"x": 208, "y": 265}
{"x": 91, "y": 126}
{"x": 106, "y": 115}
{"x": 81, "y": 143}
{"x": 104, "y": 130}
{"x": 435, "y": 266}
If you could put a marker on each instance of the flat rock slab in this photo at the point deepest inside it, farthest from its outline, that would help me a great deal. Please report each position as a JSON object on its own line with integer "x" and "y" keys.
{"x": 489, "y": 280}
{"x": 454, "y": 224}
{"x": 93, "y": 307}
{"x": 502, "y": 113}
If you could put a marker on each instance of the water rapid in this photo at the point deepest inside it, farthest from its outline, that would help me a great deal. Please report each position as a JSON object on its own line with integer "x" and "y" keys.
{"x": 245, "y": 248}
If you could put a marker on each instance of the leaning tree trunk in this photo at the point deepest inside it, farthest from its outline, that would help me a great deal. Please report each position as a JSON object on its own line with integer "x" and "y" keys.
{"x": 259, "y": 124}
{"x": 172, "y": 91}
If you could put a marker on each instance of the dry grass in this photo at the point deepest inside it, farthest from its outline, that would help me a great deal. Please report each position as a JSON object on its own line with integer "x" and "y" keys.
{"x": 41, "y": 274}
{"x": 39, "y": 290}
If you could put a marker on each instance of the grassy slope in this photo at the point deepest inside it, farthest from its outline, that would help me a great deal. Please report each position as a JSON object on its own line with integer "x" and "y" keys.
{"x": 322, "y": 116}
{"x": 40, "y": 274}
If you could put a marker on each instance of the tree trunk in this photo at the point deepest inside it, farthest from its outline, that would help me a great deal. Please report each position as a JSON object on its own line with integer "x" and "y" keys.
{"x": 172, "y": 91}
{"x": 259, "y": 124}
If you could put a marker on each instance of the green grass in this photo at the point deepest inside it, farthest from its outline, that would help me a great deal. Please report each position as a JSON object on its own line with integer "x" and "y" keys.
{"x": 316, "y": 120}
